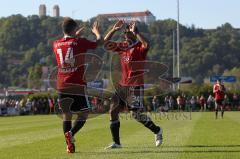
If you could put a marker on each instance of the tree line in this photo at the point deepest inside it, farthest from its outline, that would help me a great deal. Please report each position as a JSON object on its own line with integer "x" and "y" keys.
{"x": 26, "y": 46}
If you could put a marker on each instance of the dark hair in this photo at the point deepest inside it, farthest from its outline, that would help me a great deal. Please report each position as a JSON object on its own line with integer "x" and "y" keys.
{"x": 126, "y": 29}
{"x": 68, "y": 25}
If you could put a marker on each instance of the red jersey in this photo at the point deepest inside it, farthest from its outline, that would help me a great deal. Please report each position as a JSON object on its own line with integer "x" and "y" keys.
{"x": 202, "y": 101}
{"x": 218, "y": 90}
{"x": 69, "y": 53}
{"x": 132, "y": 63}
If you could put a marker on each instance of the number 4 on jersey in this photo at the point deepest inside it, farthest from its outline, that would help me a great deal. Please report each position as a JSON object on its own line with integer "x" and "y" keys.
{"x": 69, "y": 58}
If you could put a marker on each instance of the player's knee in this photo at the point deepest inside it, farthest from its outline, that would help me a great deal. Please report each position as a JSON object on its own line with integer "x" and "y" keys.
{"x": 67, "y": 116}
{"x": 135, "y": 114}
{"x": 82, "y": 116}
{"x": 140, "y": 117}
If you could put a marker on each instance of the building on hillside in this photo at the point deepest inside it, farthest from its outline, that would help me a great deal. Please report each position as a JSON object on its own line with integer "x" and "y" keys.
{"x": 42, "y": 10}
{"x": 56, "y": 11}
{"x": 146, "y": 16}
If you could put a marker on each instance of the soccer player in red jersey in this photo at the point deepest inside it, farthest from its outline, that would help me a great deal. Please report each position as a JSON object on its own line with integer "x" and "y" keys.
{"x": 132, "y": 52}
{"x": 219, "y": 91}
{"x": 71, "y": 85}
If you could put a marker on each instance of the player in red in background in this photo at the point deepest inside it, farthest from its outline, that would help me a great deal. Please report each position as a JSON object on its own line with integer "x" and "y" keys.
{"x": 219, "y": 91}
{"x": 132, "y": 52}
{"x": 71, "y": 85}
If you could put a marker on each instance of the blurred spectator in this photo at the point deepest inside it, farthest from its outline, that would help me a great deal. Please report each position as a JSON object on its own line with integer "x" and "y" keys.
{"x": 210, "y": 102}
{"x": 155, "y": 103}
{"x": 188, "y": 104}
{"x": 193, "y": 103}
{"x": 34, "y": 106}
{"x": 166, "y": 103}
{"x": 17, "y": 105}
{"x": 94, "y": 103}
{"x": 235, "y": 101}
{"x": 197, "y": 102}
{"x": 202, "y": 103}
{"x": 28, "y": 106}
{"x": 106, "y": 105}
{"x": 171, "y": 103}
{"x": 51, "y": 105}
{"x": 180, "y": 102}
{"x": 184, "y": 100}
{"x": 226, "y": 102}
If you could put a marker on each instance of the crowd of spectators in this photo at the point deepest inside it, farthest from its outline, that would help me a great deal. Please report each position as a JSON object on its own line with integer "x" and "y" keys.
{"x": 193, "y": 103}
{"x": 26, "y": 106}
{"x": 49, "y": 105}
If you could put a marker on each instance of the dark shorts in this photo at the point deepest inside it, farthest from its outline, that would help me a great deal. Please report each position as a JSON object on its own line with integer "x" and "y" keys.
{"x": 130, "y": 97}
{"x": 219, "y": 104}
{"x": 219, "y": 101}
{"x": 73, "y": 103}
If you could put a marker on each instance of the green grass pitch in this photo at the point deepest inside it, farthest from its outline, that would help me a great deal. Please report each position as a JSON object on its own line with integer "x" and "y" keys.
{"x": 203, "y": 137}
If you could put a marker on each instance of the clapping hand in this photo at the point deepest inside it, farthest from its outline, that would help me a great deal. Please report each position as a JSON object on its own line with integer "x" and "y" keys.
{"x": 79, "y": 31}
{"x": 118, "y": 25}
{"x": 95, "y": 28}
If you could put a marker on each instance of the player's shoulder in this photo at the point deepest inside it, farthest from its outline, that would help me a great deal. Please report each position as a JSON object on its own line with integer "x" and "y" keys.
{"x": 57, "y": 41}
{"x": 82, "y": 39}
{"x": 55, "y": 44}
{"x": 141, "y": 46}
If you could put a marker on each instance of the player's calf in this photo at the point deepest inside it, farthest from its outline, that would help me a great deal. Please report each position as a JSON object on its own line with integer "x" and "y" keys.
{"x": 148, "y": 123}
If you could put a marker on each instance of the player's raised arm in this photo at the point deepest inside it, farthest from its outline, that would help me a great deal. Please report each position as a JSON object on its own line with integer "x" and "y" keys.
{"x": 223, "y": 89}
{"x": 214, "y": 88}
{"x": 133, "y": 28}
{"x": 95, "y": 31}
{"x": 117, "y": 26}
{"x": 78, "y": 32}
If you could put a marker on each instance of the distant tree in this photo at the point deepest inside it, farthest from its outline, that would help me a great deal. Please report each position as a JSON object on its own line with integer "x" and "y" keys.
{"x": 26, "y": 43}
{"x": 34, "y": 76}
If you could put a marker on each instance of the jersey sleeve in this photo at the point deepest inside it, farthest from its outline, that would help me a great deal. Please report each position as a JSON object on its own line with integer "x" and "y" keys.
{"x": 214, "y": 88}
{"x": 53, "y": 46}
{"x": 142, "y": 49}
{"x": 54, "y": 49}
